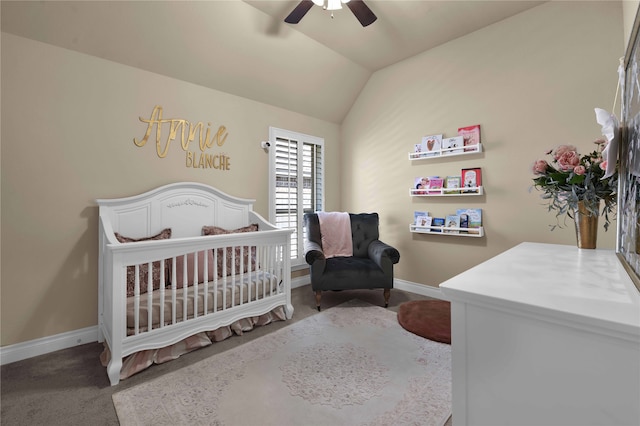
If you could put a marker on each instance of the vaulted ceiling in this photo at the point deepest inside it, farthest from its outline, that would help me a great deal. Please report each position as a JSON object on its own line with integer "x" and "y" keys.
{"x": 317, "y": 67}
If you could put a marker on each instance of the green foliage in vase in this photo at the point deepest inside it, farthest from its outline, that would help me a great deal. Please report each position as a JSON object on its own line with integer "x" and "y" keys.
{"x": 569, "y": 178}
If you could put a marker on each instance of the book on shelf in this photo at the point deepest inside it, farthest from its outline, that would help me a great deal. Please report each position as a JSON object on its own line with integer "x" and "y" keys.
{"x": 439, "y": 222}
{"x": 420, "y": 185}
{"x": 435, "y": 185}
{"x": 431, "y": 145}
{"x": 464, "y": 221}
{"x": 471, "y": 179}
{"x": 452, "y": 145}
{"x": 420, "y": 219}
{"x": 452, "y": 184}
{"x": 474, "y": 217}
{"x": 452, "y": 221}
{"x": 423, "y": 222}
{"x": 470, "y": 136}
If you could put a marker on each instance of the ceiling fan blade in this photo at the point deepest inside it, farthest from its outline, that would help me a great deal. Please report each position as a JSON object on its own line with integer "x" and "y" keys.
{"x": 362, "y": 12}
{"x": 298, "y": 12}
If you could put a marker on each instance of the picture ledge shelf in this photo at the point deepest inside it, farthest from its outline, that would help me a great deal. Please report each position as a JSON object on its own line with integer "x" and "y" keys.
{"x": 448, "y": 231}
{"x": 442, "y": 192}
{"x": 445, "y": 152}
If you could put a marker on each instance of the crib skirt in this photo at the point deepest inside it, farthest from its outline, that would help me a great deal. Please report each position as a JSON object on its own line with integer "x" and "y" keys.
{"x": 142, "y": 360}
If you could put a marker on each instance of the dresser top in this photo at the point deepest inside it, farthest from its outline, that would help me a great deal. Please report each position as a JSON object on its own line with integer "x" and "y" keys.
{"x": 560, "y": 282}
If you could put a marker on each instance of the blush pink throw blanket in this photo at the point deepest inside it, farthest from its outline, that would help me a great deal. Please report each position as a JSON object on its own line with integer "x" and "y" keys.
{"x": 335, "y": 230}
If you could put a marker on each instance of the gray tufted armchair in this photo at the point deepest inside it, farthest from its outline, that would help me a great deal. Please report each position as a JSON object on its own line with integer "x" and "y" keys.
{"x": 371, "y": 265}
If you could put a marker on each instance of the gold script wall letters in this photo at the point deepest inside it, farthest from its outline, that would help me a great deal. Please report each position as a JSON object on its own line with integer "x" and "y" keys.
{"x": 181, "y": 126}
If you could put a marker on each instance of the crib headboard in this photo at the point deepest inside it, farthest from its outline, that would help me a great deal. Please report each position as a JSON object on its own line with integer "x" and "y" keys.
{"x": 184, "y": 207}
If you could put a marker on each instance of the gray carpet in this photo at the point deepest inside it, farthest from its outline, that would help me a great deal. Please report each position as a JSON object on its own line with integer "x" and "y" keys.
{"x": 70, "y": 387}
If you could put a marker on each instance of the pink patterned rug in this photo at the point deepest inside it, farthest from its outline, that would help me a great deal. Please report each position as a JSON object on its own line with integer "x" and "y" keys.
{"x": 349, "y": 365}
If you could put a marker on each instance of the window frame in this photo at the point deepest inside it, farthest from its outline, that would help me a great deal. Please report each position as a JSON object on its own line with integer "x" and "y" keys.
{"x": 301, "y": 140}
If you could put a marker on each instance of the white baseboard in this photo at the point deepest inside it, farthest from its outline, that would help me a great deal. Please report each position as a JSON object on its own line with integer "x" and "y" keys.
{"x": 45, "y": 345}
{"x": 300, "y": 281}
{"x": 421, "y": 289}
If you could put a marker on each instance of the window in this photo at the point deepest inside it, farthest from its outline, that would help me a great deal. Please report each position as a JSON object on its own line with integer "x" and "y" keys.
{"x": 296, "y": 174}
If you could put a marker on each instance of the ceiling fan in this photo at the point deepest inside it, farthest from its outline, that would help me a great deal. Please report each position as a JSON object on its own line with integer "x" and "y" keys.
{"x": 359, "y": 9}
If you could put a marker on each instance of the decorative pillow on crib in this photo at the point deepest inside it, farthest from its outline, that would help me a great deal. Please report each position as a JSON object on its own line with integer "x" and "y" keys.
{"x": 215, "y": 230}
{"x": 144, "y": 269}
{"x": 180, "y": 268}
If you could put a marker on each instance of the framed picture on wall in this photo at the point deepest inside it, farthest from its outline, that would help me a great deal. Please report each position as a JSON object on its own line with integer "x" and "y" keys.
{"x": 628, "y": 238}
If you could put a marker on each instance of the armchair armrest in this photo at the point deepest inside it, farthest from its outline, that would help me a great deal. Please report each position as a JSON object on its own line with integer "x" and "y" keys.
{"x": 312, "y": 252}
{"x": 378, "y": 250}
{"x": 314, "y": 256}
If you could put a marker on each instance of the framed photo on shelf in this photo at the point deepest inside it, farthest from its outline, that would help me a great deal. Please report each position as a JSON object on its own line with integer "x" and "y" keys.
{"x": 471, "y": 179}
{"x": 470, "y": 136}
{"x": 431, "y": 145}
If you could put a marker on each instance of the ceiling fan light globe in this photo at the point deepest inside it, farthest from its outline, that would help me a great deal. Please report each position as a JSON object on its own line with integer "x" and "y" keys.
{"x": 318, "y": 2}
{"x": 334, "y": 4}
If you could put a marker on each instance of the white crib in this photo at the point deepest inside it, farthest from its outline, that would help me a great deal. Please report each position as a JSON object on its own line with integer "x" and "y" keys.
{"x": 229, "y": 276}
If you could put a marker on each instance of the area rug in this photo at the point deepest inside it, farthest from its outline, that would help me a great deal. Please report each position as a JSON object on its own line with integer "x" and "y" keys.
{"x": 348, "y": 365}
{"x": 430, "y": 319}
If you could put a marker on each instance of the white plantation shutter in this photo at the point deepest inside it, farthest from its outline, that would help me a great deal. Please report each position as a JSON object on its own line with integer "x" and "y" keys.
{"x": 297, "y": 186}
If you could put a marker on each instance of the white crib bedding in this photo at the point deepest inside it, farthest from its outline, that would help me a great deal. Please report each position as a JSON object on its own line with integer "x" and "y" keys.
{"x": 239, "y": 289}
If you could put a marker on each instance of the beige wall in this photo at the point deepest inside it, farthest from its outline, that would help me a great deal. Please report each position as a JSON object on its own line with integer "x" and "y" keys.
{"x": 629, "y": 10}
{"x": 531, "y": 82}
{"x": 68, "y": 123}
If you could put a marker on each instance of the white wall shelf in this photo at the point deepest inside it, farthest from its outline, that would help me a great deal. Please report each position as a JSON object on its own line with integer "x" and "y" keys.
{"x": 447, "y": 231}
{"x": 447, "y": 192}
{"x": 446, "y": 152}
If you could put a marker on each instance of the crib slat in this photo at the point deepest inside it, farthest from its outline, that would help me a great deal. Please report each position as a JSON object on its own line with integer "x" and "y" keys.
{"x": 149, "y": 296}
{"x": 224, "y": 275}
{"x": 162, "y": 293}
{"x": 173, "y": 291}
{"x": 184, "y": 288}
{"x": 241, "y": 275}
{"x": 205, "y": 307}
{"x": 233, "y": 276}
{"x": 136, "y": 299}
{"x": 271, "y": 269}
{"x": 215, "y": 280}
{"x": 249, "y": 274}
{"x": 195, "y": 285}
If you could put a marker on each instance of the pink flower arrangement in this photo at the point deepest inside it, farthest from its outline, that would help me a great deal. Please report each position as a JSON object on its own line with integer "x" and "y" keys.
{"x": 570, "y": 178}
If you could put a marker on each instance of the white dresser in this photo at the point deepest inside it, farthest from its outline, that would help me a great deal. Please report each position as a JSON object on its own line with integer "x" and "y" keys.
{"x": 545, "y": 334}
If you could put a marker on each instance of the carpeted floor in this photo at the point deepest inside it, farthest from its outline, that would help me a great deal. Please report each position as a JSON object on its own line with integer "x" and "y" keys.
{"x": 70, "y": 387}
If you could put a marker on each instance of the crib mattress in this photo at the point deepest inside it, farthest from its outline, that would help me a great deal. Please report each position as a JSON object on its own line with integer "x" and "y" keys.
{"x": 229, "y": 291}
